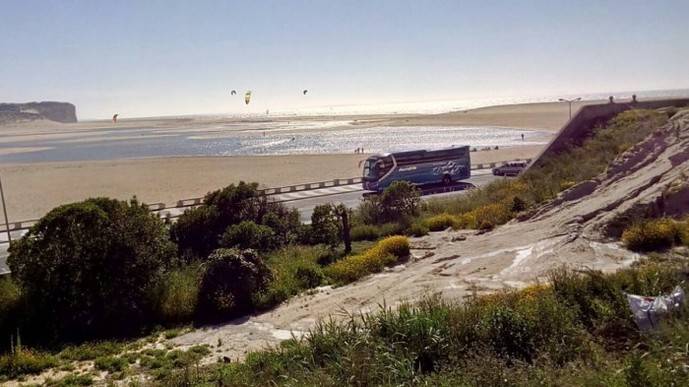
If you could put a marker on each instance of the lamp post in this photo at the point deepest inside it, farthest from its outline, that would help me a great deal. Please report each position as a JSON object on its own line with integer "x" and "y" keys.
{"x": 569, "y": 101}
{"x": 4, "y": 210}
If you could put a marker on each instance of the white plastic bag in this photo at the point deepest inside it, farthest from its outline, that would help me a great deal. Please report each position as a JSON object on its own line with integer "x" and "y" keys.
{"x": 648, "y": 311}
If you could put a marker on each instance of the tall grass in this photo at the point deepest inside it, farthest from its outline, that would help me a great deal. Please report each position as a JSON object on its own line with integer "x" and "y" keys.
{"x": 295, "y": 269}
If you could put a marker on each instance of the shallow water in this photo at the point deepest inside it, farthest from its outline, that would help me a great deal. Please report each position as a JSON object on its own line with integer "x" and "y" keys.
{"x": 138, "y": 143}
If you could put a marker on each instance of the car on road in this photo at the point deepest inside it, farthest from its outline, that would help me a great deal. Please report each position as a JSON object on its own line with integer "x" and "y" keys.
{"x": 510, "y": 169}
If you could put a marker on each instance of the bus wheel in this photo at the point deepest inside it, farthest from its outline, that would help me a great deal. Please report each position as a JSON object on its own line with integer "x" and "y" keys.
{"x": 447, "y": 180}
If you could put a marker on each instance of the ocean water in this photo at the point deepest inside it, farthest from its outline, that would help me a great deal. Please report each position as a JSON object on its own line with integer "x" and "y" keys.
{"x": 142, "y": 142}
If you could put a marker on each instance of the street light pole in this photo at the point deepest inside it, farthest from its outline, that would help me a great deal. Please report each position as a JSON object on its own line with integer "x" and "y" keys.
{"x": 4, "y": 210}
{"x": 569, "y": 101}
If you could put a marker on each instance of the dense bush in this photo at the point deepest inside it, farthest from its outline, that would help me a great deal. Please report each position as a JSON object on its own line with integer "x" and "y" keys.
{"x": 655, "y": 234}
{"x": 10, "y": 296}
{"x": 249, "y": 235}
{"x": 386, "y": 252}
{"x": 294, "y": 269}
{"x": 199, "y": 231}
{"x": 231, "y": 279}
{"x": 25, "y": 362}
{"x": 365, "y": 232}
{"x": 86, "y": 268}
{"x": 441, "y": 222}
{"x": 399, "y": 202}
{"x": 176, "y": 294}
{"x": 325, "y": 226}
{"x": 418, "y": 229}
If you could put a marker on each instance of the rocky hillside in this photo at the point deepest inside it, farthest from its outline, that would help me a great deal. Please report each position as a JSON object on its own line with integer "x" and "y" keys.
{"x": 31, "y": 111}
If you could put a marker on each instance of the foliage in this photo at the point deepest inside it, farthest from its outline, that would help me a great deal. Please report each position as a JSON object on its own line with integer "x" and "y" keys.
{"x": 25, "y": 362}
{"x": 85, "y": 268}
{"x": 418, "y": 229}
{"x": 325, "y": 226}
{"x": 540, "y": 335}
{"x": 294, "y": 269}
{"x": 400, "y": 201}
{"x": 198, "y": 231}
{"x": 10, "y": 300}
{"x": 365, "y": 232}
{"x": 249, "y": 235}
{"x": 91, "y": 350}
{"x": 441, "y": 222}
{"x": 175, "y": 295}
{"x": 386, "y": 252}
{"x": 653, "y": 234}
{"x": 110, "y": 363}
{"x": 230, "y": 280}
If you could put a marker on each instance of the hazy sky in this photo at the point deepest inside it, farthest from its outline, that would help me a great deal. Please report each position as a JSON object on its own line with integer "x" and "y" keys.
{"x": 179, "y": 57}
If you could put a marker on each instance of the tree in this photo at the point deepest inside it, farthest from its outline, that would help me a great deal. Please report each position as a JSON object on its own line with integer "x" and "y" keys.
{"x": 400, "y": 201}
{"x": 199, "y": 231}
{"x": 344, "y": 214}
{"x": 85, "y": 269}
{"x": 324, "y": 225}
{"x": 231, "y": 279}
{"x": 249, "y": 235}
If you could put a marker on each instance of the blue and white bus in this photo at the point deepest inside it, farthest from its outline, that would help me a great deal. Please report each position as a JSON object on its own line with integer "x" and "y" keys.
{"x": 418, "y": 167}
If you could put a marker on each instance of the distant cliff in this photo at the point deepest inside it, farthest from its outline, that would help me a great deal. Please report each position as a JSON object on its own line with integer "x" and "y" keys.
{"x": 53, "y": 111}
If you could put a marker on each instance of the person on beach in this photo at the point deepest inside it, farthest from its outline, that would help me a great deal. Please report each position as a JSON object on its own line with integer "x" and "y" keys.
{"x": 522, "y": 136}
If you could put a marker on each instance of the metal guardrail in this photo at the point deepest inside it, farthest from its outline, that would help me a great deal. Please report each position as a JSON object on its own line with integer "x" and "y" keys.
{"x": 193, "y": 202}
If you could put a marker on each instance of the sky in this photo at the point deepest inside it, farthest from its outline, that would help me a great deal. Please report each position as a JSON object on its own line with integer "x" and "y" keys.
{"x": 168, "y": 57}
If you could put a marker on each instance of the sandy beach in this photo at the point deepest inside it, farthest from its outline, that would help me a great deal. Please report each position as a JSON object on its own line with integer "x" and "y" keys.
{"x": 32, "y": 189}
{"x": 544, "y": 116}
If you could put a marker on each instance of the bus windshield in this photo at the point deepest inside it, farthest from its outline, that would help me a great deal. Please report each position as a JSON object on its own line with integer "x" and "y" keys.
{"x": 375, "y": 168}
{"x": 368, "y": 168}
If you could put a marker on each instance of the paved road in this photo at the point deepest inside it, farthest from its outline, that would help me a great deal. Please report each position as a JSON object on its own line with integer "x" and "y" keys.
{"x": 349, "y": 195}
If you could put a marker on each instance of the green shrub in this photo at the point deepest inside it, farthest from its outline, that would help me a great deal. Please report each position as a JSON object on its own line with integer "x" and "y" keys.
{"x": 441, "y": 222}
{"x": 91, "y": 350}
{"x": 325, "y": 226}
{"x": 71, "y": 381}
{"x": 10, "y": 296}
{"x": 656, "y": 234}
{"x": 364, "y": 232}
{"x": 25, "y": 362}
{"x": 684, "y": 232}
{"x": 418, "y": 229}
{"x": 386, "y": 252}
{"x": 400, "y": 201}
{"x": 508, "y": 333}
{"x": 85, "y": 268}
{"x": 176, "y": 294}
{"x": 294, "y": 269}
{"x": 110, "y": 363}
{"x": 195, "y": 231}
{"x": 231, "y": 279}
{"x": 249, "y": 235}
{"x": 198, "y": 231}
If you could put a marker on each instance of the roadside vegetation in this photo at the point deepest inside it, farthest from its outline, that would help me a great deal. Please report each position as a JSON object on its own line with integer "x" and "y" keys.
{"x": 90, "y": 278}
